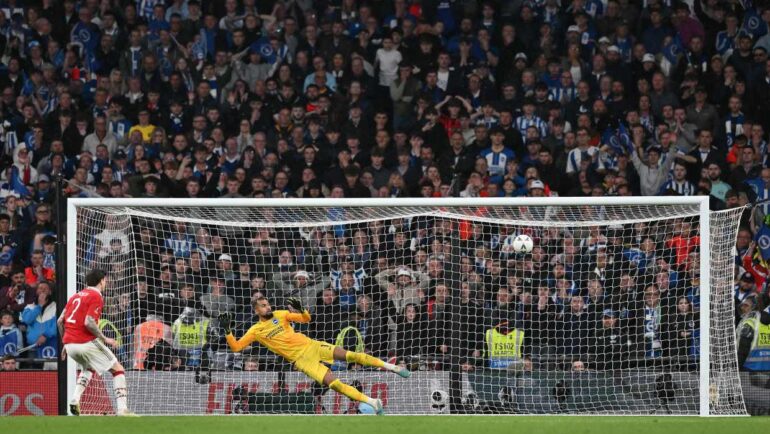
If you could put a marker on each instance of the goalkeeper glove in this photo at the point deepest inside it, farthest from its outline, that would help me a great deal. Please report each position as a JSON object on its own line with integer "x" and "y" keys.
{"x": 226, "y": 321}
{"x": 296, "y": 304}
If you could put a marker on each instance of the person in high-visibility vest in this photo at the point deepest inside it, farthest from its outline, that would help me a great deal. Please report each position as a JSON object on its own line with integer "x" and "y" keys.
{"x": 146, "y": 336}
{"x": 503, "y": 345}
{"x": 189, "y": 335}
{"x": 753, "y": 337}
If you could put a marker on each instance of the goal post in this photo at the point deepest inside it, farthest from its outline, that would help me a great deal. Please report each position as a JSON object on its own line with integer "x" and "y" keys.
{"x": 624, "y": 307}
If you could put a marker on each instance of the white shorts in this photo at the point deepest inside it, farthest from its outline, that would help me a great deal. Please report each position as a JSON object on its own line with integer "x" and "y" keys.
{"x": 92, "y": 355}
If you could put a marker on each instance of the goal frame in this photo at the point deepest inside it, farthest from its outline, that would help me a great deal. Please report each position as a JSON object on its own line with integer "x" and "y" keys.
{"x": 704, "y": 223}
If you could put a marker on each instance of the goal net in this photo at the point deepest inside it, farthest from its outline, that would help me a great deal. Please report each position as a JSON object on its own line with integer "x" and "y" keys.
{"x": 622, "y": 307}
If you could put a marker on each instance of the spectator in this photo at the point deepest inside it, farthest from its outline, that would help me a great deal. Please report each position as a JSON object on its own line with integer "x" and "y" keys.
{"x": 40, "y": 318}
{"x": 438, "y": 319}
{"x": 329, "y": 317}
{"x": 17, "y": 295}
{"x": 652, "y": 167}
{"x": 410, "y": 334}
{"x": 9, "y": 363}
{"x": 300, "y": 285}
{"x": 10, "y": 336}
{"x": 216, "y": 301}
{"x": 655, "y": 317}
{"x": 612, "y": 347}
{"x": 577, "y": 326}
{"x": 367, "y": 321}
{"x": 36, "y": 272}
{"x": 685, "y": 329}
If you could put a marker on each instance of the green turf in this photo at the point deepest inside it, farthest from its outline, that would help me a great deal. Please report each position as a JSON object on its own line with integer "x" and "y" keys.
{"x": 388, "y": 424}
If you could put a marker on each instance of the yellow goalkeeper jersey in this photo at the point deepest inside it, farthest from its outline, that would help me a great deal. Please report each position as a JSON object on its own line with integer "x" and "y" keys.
{"x": 276, "y": 334}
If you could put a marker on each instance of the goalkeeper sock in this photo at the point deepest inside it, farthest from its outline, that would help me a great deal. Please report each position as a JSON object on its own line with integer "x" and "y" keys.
{"x": 121, "y": 392}
{"x": 364, "y": 359}
{"x": 83, "y": 379}
{"x": 349, "y": 391}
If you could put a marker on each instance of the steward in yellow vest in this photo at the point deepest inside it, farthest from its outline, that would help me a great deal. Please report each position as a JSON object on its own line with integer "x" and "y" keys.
{"x": 503, "y": 345}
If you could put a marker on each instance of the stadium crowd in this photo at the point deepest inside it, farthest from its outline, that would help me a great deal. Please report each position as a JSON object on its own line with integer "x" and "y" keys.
{"x": 260, "y": 98}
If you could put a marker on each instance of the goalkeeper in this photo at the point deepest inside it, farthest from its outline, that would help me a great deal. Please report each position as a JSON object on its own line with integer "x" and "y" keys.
{"x": 309, "y": 356}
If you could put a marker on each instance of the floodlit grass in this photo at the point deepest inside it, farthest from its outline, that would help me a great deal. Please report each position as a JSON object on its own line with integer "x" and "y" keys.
{"x": 387, "y": 424}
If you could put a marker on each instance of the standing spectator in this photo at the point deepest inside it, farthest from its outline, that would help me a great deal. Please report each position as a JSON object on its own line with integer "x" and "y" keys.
{"x": 410, "y": 334}
{"x": 438, "y": 322}
{"x": 403, "y": 290}
{"x": 328, "y": 315}
{"x": 654, "y": 318}
{"x": 577, "y": 327}
{"x": 366, "y": 319}
{"x": 217, "y": 301}
{"x": 653, "y": 168}
{"x": 9, "y": 363}
{"x": 17, "y": 295}
{"x": 685, "y": 332}
{"x": 611, "y": 347}
{"x": 37, "y": 272}
{"x": 386, "y": 62}
{"x": 11, "y": 339}
{"x": 40, "y": 318}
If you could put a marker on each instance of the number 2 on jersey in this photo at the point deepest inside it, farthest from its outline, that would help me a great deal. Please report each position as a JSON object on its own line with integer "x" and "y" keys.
{"x": 75, "y": 306}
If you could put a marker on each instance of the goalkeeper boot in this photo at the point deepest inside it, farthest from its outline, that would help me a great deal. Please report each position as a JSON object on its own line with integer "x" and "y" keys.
{"x": 402, "y": 371}
{"x": 75, "y": 408}
{"x": 379, "y": 409}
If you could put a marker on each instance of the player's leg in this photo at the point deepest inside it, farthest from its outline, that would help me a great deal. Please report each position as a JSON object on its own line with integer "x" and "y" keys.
{"x": 351, "y": 392}
{"x": 121, "y": 389}
{"x": 74, "y": 351}
{"x": 310, "y": 365}
{"x": 80, "y": 386}
{"x": 104, "y": 360}
{"x": 364, "y": 359}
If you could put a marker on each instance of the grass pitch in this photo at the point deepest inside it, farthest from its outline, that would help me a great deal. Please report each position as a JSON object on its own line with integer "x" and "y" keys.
{"x": 388, "y": 424}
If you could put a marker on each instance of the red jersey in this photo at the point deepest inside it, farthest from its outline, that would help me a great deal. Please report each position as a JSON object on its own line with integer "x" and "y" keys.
{"x": 88, "y": 302}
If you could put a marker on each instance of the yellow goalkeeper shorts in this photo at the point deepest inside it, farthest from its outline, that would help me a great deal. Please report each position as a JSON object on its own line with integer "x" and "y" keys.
{"x": 309, "y": 363}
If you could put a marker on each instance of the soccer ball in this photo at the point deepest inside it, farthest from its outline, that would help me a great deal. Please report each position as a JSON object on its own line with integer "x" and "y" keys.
{"x": 523, "y": 244}
{"x": 365, "y": 408}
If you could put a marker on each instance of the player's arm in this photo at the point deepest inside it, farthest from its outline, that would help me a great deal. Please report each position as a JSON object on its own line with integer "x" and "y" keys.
{"x": 236, "y": 345}
{"x": 93, "y": 327}
{"x": 301, "y": 315}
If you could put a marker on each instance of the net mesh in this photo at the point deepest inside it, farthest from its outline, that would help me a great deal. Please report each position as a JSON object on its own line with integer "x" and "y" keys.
{"x": 602, "y": 317}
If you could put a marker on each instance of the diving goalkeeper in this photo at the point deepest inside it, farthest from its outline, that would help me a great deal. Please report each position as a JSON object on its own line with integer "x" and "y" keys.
{"x": 308, "y": 356}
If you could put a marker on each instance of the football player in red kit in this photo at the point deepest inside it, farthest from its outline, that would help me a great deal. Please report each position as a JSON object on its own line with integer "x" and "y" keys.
{"x": 85, "y": 343}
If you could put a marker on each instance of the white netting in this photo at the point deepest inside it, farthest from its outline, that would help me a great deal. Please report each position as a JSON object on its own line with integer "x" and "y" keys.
{"x": 602, "y": 317}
